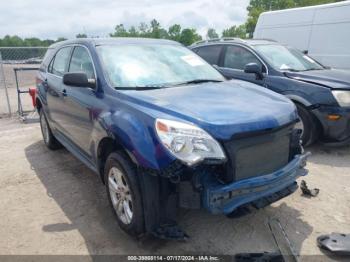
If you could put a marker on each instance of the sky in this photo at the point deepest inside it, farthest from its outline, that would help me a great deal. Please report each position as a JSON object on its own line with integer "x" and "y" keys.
{"x": 66, "y": 18}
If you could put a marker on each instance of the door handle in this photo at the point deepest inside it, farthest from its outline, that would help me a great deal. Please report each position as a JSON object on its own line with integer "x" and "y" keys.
{"x": 64, "y": 92}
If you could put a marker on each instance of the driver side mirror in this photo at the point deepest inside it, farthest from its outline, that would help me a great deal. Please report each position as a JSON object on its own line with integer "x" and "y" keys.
{"x": 254, "y": 68}
{"x": 78, "y": 80}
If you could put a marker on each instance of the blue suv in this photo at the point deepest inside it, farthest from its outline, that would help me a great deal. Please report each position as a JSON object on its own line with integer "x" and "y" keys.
{"x": 164, "y": 129}
{"x": 321, "y": 94}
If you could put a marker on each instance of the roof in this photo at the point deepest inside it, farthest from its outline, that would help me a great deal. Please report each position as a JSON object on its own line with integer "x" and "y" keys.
{"x": 250, "y": 42}
{"x": 115, "y": 41}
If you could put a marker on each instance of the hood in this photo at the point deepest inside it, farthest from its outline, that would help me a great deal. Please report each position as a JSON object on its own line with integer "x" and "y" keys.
{"x": 332, "y": 78}
{"x": 222, "y": 109}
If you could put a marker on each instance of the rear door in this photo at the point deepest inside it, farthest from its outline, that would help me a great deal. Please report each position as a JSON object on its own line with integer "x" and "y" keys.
{"x": 80, "y": 102}
{"x": 235, "y": 58}
{"x": 55, "y": 95}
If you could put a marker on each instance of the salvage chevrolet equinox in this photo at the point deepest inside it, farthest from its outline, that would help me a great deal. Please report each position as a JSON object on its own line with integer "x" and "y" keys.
{"x": 164, "y": 130}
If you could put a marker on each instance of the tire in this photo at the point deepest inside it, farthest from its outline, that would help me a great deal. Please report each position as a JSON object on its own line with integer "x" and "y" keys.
{"x": 308, "y": 125}
{"x": 124, "y": 193}
{"x": 49, "y": 139}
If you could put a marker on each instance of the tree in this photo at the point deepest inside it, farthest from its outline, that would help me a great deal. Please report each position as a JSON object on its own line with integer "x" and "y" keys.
{"x": 18, "y": 41}
{"x": 186, "y": 36}
{"x": 174, "y": 32}
{"x": 256, "y": 7}
{"x": 189, "y": 36}
{"x": 133, "y": 32}
{"x": 211, "y": 34}
{"x": 12, "y": 41}
{"x": 119, "y": 31}
{"x": 157, "y": 31}
{"x": 61, "y": 39}
{"x": 144, "y": 30}
{"x": 81, "y": 36}
{"x": 153, "y": 29}
{"x": 235, "y": 31}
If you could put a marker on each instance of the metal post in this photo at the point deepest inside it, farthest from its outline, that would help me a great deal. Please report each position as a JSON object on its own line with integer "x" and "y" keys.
{"x": 2, "y": 72}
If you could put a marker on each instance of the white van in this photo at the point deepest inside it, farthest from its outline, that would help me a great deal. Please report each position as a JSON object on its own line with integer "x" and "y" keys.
{"x": 323, "y": 31}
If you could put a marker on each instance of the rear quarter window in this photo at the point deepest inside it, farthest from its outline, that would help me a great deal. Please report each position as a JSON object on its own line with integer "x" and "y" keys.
{"x": 47, "y": 59}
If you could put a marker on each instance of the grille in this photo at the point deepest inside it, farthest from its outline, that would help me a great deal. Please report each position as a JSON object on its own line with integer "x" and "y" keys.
{"x": 257, "y": 154}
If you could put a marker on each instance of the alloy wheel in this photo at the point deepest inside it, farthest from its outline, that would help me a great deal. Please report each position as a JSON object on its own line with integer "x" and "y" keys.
{"x": 120, "y": 195}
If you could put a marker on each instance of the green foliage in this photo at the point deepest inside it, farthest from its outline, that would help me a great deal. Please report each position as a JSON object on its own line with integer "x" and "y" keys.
{"x": 185, "y": 36}
{"x": 16, "y": 41}
{"x": 256, "y": 7}
{"x": 174, "y": 32}
{"x": 211, "y": 34}
{"x": 189, "y": 36}
{"x": 81, "y": 36}
{"x": 235, "y": 31}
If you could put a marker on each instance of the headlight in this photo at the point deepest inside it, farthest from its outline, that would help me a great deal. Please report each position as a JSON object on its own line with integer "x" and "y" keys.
{"x": 188, "y": 143}
{"x": 342, "y": 97}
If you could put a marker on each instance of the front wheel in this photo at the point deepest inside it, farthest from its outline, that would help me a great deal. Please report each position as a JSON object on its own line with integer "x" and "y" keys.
{"x": 124, "y": 193}
{"x": 308, "y": 126}
{"x": 49, "y": 139}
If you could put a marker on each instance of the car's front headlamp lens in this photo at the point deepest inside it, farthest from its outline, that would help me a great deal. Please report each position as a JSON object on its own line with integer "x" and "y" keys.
{"x": 187, "y": 142}
{"x": 342, "y": 97}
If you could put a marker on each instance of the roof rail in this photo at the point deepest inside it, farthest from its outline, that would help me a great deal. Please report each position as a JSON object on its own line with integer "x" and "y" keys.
{"x": 264, "y": 39}
{"x": 222, "y": 39}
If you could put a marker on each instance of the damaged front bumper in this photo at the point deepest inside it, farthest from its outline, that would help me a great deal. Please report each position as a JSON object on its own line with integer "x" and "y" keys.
{"x": 219, "y": 198}
{"x": 336, "y": 130}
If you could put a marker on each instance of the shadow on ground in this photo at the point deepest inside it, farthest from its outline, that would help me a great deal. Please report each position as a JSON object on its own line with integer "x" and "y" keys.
{"x": 330, "y": 156}
{"x": 81, "y": 196}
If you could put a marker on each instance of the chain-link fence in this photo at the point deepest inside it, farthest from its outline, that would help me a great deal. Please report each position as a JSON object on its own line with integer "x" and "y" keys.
{"x": 17, "y": 57}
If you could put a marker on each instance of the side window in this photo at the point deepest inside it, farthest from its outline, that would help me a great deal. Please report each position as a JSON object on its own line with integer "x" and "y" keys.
{"x": 237, "y": 57}
{"x": 60, "y": 62}
{"x": 46, "y": 60}
{"x": 210, "y": 53}
{"x": 50, "y": 65}
{"x": 81, "y": 62}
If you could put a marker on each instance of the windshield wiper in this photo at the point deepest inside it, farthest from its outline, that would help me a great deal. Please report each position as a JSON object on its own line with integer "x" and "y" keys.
{"x": 312, "y": 69}
{"x": 291, "y": 70}
{"x": 197, "y": 81}
{"x": 138, "y": 88}
{"x": 167, "y": 85}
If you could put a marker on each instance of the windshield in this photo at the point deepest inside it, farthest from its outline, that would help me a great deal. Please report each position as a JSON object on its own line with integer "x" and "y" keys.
{"x": 154, "y": 65}
{"x": 285, "y": 58}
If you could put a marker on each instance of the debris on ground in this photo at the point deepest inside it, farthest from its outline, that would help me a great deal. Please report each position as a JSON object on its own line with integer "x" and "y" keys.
{"x": 308, "y": 192}
{"x": 337, "y": 243}
{"x": 282, "y": 241}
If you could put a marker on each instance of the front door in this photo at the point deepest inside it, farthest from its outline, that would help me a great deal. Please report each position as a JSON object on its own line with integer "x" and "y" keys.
{"x": 235, "y": 59}
{"x": 80, "y": 102}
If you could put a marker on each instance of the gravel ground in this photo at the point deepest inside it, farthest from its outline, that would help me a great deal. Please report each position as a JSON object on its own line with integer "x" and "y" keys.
{"x": 53, "y": 204}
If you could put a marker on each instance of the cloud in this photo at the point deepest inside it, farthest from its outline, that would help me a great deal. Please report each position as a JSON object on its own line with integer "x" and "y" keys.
{"x": 52, "y": 19}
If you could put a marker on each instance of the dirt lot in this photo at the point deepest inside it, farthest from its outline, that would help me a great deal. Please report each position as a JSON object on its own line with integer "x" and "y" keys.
{"x": 52, "y": 204}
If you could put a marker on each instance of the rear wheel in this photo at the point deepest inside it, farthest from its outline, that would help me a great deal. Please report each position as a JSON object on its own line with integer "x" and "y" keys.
{"x": 308, "y": 125}
{"x": 49, "y": 139}
{"x": 124, "y": 193}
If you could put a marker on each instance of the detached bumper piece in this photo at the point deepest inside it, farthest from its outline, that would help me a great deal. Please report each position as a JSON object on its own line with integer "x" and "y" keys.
{"x": 259, "y": 191}
{"x": 338, "y": 244}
